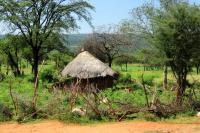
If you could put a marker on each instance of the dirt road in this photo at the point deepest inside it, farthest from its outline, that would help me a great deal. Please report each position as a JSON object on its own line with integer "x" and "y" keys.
{"x": 122, "y": 127}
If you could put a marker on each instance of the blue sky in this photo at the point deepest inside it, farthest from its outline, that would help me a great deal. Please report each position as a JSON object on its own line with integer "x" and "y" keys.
{"x": 111, "y": 12}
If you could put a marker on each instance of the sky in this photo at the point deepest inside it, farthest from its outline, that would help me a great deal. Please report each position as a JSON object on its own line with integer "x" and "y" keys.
{"x": 111, "y": 12}
{"x": 107, "y": 12}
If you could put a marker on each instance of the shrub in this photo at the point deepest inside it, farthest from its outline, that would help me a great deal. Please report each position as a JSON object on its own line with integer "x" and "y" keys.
{"x": 55, "y": 105}
{"x": 24, "y": 110}
{"x": 149, "y": 80}
{"x": 30, "y": 78}
{"x": 125, "y": 78}
{"x": 5, "y": 113}
{"x": 49, "y": 75}
{"x": 2, "y": 76}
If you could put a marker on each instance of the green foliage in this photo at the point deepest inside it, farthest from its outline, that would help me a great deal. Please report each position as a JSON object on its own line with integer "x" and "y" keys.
{"x": 125, "y": 79}
{"x": 176, "y": 30}
{"x": 136, "y": 97}
{"x": 37, "y": 21}
{"x": 148, "y": 80}
{"x": 74, "y": 118}
{"x": 53, "y": 105}
{"x": 2, "y": 76}
{"x": 49, "y": 75}
{"x": 11, "y": 47}
{"x": 172, "y": 29}
{"x": 30, "y": 78}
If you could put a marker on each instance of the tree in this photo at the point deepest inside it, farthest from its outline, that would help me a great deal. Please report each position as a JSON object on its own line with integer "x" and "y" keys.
{"x": 151, "y": 59}
{"x": 174, "y": 30}
{"x": 60, "y": 59}
{"x": 11, "y": 46}
{"x": 90, "y": 44}
{"x": 178, "y": 31}
{"x": 36, "y": 20}
{"x": 108, "y": 44}
{"x": 125, "y": 59}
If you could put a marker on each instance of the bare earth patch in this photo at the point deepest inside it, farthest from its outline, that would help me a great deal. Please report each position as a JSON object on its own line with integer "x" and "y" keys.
{"x": 121, "y": 127}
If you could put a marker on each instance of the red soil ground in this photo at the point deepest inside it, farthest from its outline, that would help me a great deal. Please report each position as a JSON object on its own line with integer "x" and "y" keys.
{"x": 122, "y": 127}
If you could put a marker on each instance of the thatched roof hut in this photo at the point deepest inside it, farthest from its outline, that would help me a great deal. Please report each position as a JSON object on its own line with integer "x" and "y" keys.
{"x": 91, "y": 70}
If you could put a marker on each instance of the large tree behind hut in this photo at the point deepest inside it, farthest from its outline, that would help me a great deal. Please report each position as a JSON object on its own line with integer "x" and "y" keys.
{"x": 107, "y": 44}
{"x": 36, "y": 20}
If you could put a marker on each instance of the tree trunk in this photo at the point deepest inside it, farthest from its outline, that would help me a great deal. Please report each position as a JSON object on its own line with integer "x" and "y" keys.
{"x": 110, "y": 62}
{"x": 165, "y": 82}
{"x": 14, "y": 65}
{"x": 35, "y": 62}
{"x": 179, "y": 96}
{"x": 126, "y": 66}
{"x": 197, "y": 67}
{"x": 20, "y": 65}
{"x": 26, "y": 63}
{"x": 182, "y": 83}
{"x": 57, "y": 63}
{"x": 144, "y": 68}
{"x": 7, "y": 68}
{"x": 145, "y": 91}
{"x": 35, "y": 72}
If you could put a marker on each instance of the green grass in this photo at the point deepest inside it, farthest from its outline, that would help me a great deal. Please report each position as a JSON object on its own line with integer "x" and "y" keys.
{"x": 23, "y": 88}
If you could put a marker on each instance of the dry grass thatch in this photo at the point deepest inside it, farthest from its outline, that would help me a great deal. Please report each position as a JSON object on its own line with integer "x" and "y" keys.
{"x": 86, "y": 66}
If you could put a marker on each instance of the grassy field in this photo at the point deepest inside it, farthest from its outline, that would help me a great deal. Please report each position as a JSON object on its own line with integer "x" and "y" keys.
{"x": 22, "y": 88}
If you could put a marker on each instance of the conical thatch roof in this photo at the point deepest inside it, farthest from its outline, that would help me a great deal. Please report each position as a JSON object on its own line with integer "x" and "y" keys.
{"x": 86, "y": 66}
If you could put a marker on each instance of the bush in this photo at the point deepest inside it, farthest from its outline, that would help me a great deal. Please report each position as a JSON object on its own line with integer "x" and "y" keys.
{"x": 149, "y": 80}
{"x": 30, "y": 78}
{"x": 2, "y": 76}
{"x": 49, "y": 75}
{"x": 5, "y": 113}
{"x": 55, "y": 105}
{"x": 24, "y": 110}
{"x": 125, "y": 79}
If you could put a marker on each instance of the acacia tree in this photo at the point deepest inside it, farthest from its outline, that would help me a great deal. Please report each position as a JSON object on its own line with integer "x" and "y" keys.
{"x": 178, "y": 30}
{"x": 174, "y": 29}
{"x": 125, "y": 59}
{"x": 36, "y": 20}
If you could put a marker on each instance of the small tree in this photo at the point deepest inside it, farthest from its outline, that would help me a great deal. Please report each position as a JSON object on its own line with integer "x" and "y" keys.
{"x": 11, "y": 47}
{"x": 125, "y": 59}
